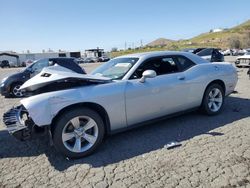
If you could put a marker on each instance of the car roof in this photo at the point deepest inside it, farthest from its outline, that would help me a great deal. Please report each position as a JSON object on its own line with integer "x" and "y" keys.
{"x": 153, "y": 54}
{"x": 192, "y": 56}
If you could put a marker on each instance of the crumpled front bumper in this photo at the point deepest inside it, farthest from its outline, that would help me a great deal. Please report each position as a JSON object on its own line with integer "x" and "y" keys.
{"x": 18, "y": 124}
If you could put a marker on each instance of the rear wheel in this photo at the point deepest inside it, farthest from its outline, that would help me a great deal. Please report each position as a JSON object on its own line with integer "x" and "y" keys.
{"x": 78, "y": 132}
{"x": 213, "y": 99}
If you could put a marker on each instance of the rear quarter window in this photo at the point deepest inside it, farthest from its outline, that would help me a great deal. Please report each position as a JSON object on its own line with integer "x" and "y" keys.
{"x": 185, "y": 63}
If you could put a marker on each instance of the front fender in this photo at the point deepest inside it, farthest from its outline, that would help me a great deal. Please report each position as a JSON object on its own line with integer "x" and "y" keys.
{"x": 44, "y": 107}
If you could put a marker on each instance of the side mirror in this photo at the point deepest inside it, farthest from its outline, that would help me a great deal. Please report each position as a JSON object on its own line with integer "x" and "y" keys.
{"x": 147, "y": 74}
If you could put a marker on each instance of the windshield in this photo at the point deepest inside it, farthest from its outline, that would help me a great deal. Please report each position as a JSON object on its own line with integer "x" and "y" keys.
{"x": 115, "y": 68}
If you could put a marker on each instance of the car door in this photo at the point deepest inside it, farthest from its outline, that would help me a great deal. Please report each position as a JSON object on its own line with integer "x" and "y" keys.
{"x": 156, "y": 97}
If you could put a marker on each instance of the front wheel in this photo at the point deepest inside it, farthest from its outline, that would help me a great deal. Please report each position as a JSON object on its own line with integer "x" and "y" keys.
{"x": 78, "y": 132}
{"x": 16, "y": 91}
{"x": 213, "y": 99}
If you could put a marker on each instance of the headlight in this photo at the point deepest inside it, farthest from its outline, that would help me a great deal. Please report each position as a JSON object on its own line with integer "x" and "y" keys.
{"x": 3, "y": 80}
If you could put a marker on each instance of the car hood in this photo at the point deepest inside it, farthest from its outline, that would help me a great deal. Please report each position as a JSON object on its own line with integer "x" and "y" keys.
{"x": 59, "y": 74}
{"x": 17, "y": 74}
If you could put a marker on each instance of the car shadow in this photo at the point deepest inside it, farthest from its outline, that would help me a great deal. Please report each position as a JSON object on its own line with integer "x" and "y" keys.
{"x": 135, "y": 142}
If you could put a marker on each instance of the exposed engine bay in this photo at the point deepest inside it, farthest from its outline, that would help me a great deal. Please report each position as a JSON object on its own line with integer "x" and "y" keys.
{"x": 58, "y": 78}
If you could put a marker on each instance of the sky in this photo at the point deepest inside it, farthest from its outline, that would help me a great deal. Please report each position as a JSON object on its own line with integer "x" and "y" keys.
{"x": 76, "y": 25}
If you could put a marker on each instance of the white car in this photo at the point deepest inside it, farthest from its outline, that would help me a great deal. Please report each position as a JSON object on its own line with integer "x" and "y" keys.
{"x": 79, "y": 110}
{"x": 243, "y": 61}
{"x": 237, "y": 52}
{"x": 227, "y": 52}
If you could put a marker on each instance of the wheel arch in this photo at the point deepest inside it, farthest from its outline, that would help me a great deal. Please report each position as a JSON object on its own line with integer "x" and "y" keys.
{"x": 14, "y": 83}
{"x": 218, "y": 81}
{"x": 93, "y": 106}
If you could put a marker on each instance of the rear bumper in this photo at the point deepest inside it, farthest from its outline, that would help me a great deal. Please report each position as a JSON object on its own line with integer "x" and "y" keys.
{"x": 18, "y": 124}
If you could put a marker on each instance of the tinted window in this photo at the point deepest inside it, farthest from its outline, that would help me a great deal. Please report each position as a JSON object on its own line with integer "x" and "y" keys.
{"x": 205, "y": 52}
{"x": 161, "y": 65}
{"x": 184, "y": 63}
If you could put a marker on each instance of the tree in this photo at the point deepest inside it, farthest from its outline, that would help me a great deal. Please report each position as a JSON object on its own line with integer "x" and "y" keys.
{"x": 235, "y": 43}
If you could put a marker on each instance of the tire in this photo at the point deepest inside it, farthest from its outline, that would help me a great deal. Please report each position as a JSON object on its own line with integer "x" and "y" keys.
{"x": 15, "y": 92}
{"x": 213, "y": 99}
{"x": 77, "y": 142}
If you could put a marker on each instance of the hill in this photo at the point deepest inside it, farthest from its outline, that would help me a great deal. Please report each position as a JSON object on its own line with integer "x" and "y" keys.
{"x": 221, "y": 39}
{"x": 160, "y": 42}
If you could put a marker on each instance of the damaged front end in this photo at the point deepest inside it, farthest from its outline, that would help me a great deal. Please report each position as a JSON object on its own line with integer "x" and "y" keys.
{"x": 18, "y": 123}
{"x": 49, "y": 91}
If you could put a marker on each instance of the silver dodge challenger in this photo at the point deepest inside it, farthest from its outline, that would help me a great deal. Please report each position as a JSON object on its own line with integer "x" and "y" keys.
{"x": 77, "y": 110}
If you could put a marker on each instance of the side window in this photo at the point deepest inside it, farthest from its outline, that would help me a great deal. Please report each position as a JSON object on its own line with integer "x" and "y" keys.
{"x": 161, "y": 65}
{"x": 168, "y": 65}
{"x": 150, "y": 64}
{"x": 184, "y": 63}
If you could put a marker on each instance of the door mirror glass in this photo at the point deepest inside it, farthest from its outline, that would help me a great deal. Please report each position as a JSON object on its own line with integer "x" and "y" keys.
{"x": 147, "y": 74}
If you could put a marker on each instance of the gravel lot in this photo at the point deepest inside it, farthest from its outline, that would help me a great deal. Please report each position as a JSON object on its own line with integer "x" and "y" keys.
{"x": 215, "y": 152}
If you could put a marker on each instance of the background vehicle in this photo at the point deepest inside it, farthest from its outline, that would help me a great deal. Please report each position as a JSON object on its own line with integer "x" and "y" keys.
{"x": 211, "y": 54}
{"x": 121, "y": 93}
{"x": 90, "y": 60}
{"x": 13, "y": 64}
{"x": 103, "y": 59}
{"x": 10, "y": 85}
{"x": 5, "y": 63}
{"x": 28, "y": 62}
{"x": 227, "y": 52}
{"x": 237, "y": 52}
{"x": 193, "y": 50}
{"x": 80, "y": 60}
{"x": 243, "y": 61}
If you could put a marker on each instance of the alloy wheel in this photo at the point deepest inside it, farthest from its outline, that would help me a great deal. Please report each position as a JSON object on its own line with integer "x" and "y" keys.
{"x": 80, "y": 134}
{"x": 215, "y": 100}
{"x": 17, "y": 91}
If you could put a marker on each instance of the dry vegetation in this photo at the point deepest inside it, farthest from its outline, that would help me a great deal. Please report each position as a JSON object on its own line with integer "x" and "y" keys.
{"x": 236, "y": 37}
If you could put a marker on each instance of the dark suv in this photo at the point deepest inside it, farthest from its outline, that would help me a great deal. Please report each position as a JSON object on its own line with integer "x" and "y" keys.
{"x": 4, "y": 63}
{"x": 10, "y": 85}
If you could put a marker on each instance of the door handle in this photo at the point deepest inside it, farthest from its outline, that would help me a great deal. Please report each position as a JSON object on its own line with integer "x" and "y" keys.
{"x": 181, "y": 77}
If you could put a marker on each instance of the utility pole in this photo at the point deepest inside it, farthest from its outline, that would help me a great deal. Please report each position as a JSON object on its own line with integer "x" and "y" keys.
{"x": 141, "y": 43}
{"x": 125, "y": 45}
